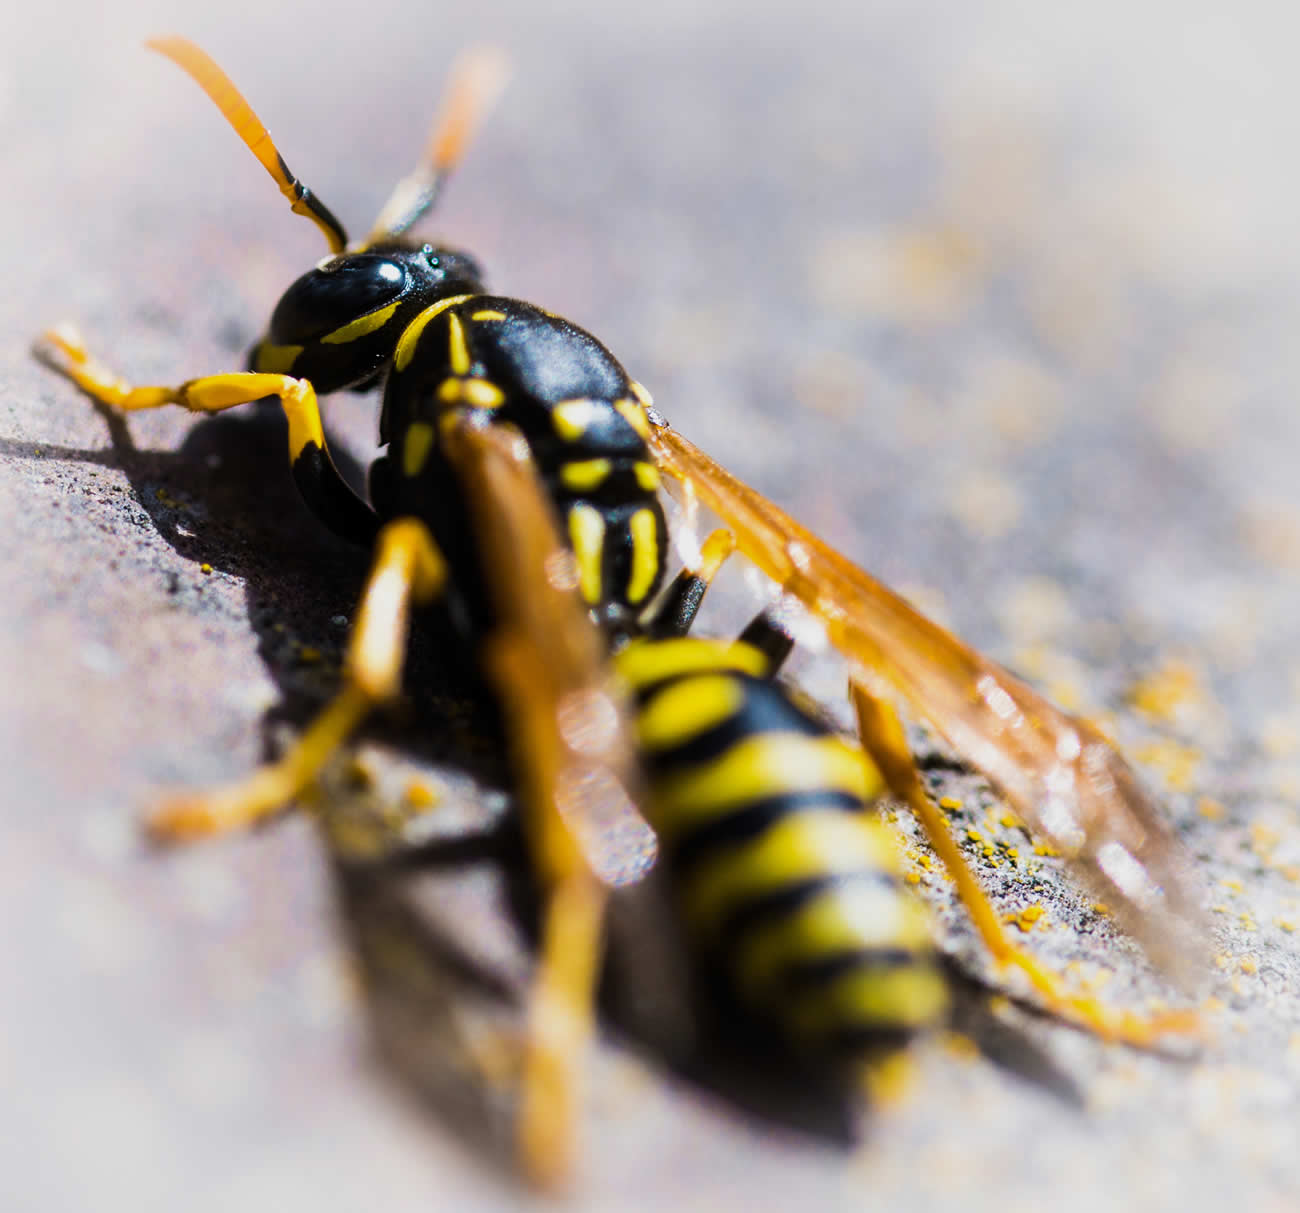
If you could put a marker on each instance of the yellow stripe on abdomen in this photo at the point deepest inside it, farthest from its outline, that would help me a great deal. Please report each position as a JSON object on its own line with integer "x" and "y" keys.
{"x": 685, "y": 710}
{"x": 908, "y": 997}
{"x": 810, "y": 844}
{"x": 759, "y": 767}
{"x": 842, "y": 917}
{"x": 644, "y": 663}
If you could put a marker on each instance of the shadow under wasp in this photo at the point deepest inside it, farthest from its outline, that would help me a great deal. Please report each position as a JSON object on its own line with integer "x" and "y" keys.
{"x": 520, "y": 482}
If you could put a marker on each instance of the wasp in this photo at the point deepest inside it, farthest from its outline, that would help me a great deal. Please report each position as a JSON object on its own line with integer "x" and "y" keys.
{"x": 521, "y": 481}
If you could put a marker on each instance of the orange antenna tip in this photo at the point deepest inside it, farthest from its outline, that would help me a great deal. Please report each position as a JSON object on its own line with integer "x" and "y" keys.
{"x": 203, "y": 70}
{"x": 477, "y": 78}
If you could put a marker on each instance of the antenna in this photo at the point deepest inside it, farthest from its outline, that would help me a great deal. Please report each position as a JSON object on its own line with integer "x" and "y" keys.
{"x": 477, "y": 77}
{"x": 228, "y": 99}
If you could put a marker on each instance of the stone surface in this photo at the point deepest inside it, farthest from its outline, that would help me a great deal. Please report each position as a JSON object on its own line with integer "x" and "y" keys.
{"x": 1001, "y": 301}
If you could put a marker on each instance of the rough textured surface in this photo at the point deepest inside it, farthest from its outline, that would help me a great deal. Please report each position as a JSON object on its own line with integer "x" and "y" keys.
{"x": 1001, "y": 303}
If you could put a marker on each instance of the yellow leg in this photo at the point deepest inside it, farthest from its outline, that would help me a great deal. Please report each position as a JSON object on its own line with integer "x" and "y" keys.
{"x": 560, "y": 1022}
{"x": 62, "y": 349}
{"x": 884, "y": 740}
{"x": 681, "y": 602}
{"x": 327, "y": 494}
{"x": 408, "y": 567}
{"x": 716, "y": 550}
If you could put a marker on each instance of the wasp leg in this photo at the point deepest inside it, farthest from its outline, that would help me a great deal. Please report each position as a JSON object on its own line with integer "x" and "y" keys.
{"x": 562, "y": 996}
{"x": 408, "y": 568}
{"x": 326, "y": 492}
{"x": 885, "y": 742}
{"x": 561, "y": 1000}
{"x": 675, "y": 614}
{"x": 770, "y": 637}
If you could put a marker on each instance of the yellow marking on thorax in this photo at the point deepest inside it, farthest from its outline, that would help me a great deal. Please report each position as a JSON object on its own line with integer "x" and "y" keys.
{"x": 481, "y": 393}
{"x": 687, "y": 709}
{"x": 646, "y": 662}
{"x": 769, "y": 764}
{"x": 411, "y": 334}
{"x": 634, "y": 415}
{"x": 276, "y": 359}
{"x": 807, "y": 845}
{"x": 645, "y": 554}
{"x": 641, "y": 394}
{"x": 587, "y": 534}
{"x": 647, "y": 476}
{"x": 585, "y": 474}
{"x": 488, "y": 314}
{"x": 416, "y": 447}
{"x": 572, "y": 417}
{"x": 457, "y": 348}
{"x": 361, "y": 326}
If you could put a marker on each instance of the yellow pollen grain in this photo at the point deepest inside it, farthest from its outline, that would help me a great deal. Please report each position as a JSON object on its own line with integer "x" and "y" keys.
{"x": 1027, "y": 918}
{"x": 419, "y": 795}
{"x": 1211, "y": 810}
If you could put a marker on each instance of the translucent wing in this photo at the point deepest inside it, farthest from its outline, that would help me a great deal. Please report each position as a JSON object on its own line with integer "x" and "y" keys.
{"x": 1064, "y": 779}
{"x": 571, "y": 757}
{"x": 541, "y": 624}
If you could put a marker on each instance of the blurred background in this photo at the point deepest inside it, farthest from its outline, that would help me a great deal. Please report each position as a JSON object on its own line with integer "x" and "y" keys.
{"x": 1000, "y": 298}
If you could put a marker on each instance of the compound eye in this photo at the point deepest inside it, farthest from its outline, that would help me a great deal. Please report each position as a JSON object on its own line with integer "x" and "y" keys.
{"x": 339, "y": 290}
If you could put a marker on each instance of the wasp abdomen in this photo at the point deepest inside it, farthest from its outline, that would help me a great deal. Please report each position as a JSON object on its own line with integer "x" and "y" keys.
{"x": 786, "y": 885}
